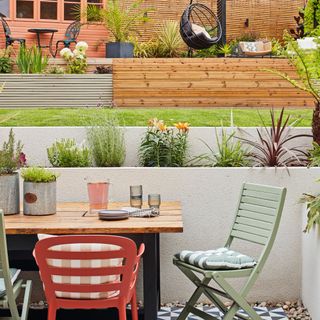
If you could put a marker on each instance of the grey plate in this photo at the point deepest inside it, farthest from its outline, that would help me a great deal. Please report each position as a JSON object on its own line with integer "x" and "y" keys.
{"x": 107, "y": 217}
{"x": 112, "y": 212}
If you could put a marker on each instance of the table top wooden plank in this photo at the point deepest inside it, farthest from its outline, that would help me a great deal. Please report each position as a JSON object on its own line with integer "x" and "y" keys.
{"x": 69, "y": 219}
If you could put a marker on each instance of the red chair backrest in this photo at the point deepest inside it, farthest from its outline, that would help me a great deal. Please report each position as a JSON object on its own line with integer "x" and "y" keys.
{"x": 46, "y": 250}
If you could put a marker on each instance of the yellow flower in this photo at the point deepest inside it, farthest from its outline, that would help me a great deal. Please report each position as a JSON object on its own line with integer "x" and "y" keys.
{"x": 161, "y": 126}
{"x": 182, "y": 126}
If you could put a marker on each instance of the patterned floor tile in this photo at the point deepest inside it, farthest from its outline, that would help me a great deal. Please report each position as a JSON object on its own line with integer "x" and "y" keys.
{"x": 265, "y": 314}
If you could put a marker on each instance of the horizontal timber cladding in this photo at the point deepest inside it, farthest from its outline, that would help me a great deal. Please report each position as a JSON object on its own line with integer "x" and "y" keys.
{"x": 214, "y": 82}
{"x": 66, "y": 90}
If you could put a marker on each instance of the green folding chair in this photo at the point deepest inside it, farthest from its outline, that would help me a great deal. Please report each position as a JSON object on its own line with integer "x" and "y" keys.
{"x": 257, "y": 220}
{"x": 9, "y": 288}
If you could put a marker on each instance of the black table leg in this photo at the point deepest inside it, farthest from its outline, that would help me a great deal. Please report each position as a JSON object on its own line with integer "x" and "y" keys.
{"x": 151, "y": 276}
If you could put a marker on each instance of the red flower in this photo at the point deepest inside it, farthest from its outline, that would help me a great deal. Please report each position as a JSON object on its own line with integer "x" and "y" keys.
{"x": 22, "y": 159}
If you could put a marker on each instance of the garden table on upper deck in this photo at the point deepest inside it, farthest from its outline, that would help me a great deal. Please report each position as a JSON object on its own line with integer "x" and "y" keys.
{"x": 73, "y": 218}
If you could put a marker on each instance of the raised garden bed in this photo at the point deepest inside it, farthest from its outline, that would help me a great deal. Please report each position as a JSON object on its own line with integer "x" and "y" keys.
{"x": 56, "y": 90}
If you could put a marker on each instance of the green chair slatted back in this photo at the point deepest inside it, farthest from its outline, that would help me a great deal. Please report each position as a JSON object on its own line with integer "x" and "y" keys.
{"x": 257, "y": 220}
{"x": 12, "y": 291}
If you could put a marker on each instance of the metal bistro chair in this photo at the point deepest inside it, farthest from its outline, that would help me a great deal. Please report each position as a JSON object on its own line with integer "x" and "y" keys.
{"x": 104, "y": 274}
{"x": 71, "y": 35}
{"x": 9, "y": 287}
{"x": 257, "y": 220}
{"x": 10, "y": 40}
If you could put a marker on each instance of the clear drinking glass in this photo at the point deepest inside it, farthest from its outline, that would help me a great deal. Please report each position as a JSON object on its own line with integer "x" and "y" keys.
{"x": 98, "y": 193}
{"x": 136, "y": 196}
{"x": 154, "y": 200}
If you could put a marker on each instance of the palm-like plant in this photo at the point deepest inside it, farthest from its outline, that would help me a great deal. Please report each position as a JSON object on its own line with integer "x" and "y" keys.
{"x": 307, "y": 64}
{"x": 275, "y": 147}
{"x": 119, "y": 19}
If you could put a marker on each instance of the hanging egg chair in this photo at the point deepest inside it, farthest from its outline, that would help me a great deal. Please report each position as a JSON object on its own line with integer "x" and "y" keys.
{"x": 200, "y": 28}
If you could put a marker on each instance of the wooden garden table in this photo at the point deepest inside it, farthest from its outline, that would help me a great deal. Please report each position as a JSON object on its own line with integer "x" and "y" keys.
{"x": 73, "y": 218}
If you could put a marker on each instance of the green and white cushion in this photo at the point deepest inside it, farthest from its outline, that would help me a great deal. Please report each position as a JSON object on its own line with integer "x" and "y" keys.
{"x": 222, "y": 258}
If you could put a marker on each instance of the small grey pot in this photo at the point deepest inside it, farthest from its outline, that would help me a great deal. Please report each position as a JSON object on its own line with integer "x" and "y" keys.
{"x": 9, "y": 193}
{"x": 39, "y": 199}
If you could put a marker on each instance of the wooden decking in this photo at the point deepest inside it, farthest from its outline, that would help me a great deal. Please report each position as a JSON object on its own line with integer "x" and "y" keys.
{"x": 216, "y": 82}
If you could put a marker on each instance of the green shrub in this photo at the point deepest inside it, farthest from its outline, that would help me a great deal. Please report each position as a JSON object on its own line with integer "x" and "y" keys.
{"x": 11, "y": 155}
{"x": 66, "y": 153}
{"x": 37, "y": 174}
{"x": 6, "y": 63}
{"x": 31, "y": 60}
{"x": 162, "y": 146}
{"x": 106, "y": 142}
{"x": 229, "y": 153}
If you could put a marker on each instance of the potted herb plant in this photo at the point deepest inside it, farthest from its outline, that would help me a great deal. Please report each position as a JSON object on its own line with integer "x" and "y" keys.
{"x": 120, "y": 20}
{"x": 39, "y": 191}
{"x": 11, "y": 159}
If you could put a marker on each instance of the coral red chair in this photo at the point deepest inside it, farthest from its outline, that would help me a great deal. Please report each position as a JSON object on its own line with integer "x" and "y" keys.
{"x": 89, "y": 272}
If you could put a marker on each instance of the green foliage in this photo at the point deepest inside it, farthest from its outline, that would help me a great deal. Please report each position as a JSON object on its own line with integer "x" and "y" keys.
{"x": 11, "y": 156}
{"x": 211, "y": 52}
{"x": 169, "y": 40}
{"x": 120, "y": 20}
{"x": 31, "y": 60}
{"x": 66, "y": 153}
{"x": 106, "y": 141}
{"x": 225, "y": 49}
{"x": 314, "y": 157}
{"x": 164, "y": 147}
{"x": 55, "y": 70}
{"x": 230, "y": 153}
{"x": 38, "y": 175}
{"x": 277, "y": 48}
{"x": 313, "y": 210}
{"x": 6, "y": 63}
{"x": 311, "y": 16}
{"x": 149, "y": 49}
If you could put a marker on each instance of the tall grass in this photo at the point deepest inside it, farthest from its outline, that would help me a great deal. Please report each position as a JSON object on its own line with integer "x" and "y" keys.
{"x": 31, "y": 60}
{"x": 106, "y": 141}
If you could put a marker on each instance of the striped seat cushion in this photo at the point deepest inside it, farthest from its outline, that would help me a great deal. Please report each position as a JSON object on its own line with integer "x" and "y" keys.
{"x": 85, "y": 247}
{"x": 222, "y": 258}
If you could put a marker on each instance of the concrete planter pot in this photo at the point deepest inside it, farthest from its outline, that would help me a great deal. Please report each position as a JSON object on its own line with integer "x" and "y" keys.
{"x": 9, "y": 193}
{"x": 119, "y": 50}
{"x": 39, "y": 199}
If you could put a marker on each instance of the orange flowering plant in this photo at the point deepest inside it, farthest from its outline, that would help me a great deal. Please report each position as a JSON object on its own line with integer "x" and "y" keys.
{"x": 163, "y": 146}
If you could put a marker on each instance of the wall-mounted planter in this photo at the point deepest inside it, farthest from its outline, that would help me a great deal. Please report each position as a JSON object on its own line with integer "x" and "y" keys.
{"x": 9, "y": 193}
{"x": 55, "y": 90}
{"x": 39, "y": 199}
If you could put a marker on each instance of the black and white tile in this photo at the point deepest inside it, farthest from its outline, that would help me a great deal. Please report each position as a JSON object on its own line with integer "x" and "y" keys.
{"x": 265, "y": 314}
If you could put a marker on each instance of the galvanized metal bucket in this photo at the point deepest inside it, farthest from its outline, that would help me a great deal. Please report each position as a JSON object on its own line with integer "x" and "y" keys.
{"x": 39, "y": 199}
{"x": 9, "y": 193}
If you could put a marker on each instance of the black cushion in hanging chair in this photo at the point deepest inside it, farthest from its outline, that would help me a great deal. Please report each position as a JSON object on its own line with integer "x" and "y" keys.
{"x": 204, "y": 15}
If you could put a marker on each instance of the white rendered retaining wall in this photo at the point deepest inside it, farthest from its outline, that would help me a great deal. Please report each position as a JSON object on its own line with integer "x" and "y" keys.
{"x": 208, "y": 196}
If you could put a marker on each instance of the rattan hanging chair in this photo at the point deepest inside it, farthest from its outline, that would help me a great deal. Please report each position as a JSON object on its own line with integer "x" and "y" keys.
{"x": 200, "y": 28}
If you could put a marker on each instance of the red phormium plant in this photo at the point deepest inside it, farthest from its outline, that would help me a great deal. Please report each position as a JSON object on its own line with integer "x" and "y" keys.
{"x": 276, "y": 146}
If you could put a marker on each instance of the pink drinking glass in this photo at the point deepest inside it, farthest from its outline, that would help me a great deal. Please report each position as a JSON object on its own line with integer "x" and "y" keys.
{"x": 98, "y": 195}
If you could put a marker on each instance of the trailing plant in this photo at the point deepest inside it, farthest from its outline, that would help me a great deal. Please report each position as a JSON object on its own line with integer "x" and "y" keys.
{"x": 169, "y": 40}
{"x": 229, "y": 153}
{"x": 6, "y": 63}
{"x": 106, "y": 142}
{"x": 306, "y": 63}
{"x": 274, "y": 147}
{"x": 38, "y": 175}
{"x": 11, "y": 155}
{"x": 118, "y": 18}
{"x": 66, "y": 153}
{"x": 313, "y": 210}
{"x": 31, "y": 60}
{"x": 164, "y": 147}
{"x": 76, "y": 59}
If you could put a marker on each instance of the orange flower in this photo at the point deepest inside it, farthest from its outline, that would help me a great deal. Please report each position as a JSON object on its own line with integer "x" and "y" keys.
{"x": 161, "y": 126}
{"x": 182, "y": 126}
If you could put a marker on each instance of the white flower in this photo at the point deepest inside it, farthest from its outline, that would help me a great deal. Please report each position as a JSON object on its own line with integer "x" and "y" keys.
{"x": 66, "y": 53}
{"x": 78, "y": 54}
{"x": 82, "y": 46}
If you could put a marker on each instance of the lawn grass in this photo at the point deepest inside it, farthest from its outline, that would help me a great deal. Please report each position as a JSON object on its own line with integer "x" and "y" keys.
{"x": 140, "y": 117}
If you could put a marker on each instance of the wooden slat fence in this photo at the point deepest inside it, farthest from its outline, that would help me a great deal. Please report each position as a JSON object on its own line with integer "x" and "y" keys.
{"x": 214, "y": 82}
{"x": 66, "y": 90}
